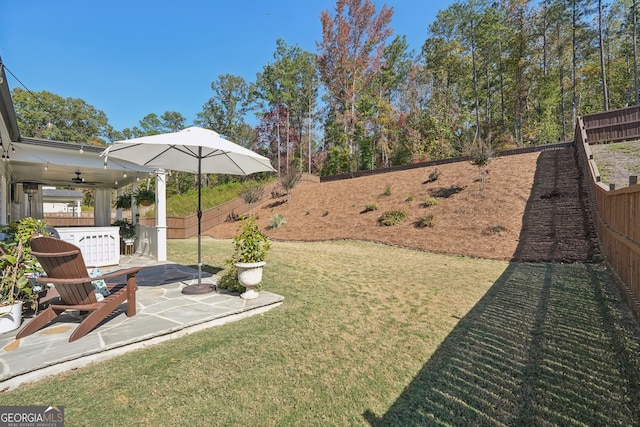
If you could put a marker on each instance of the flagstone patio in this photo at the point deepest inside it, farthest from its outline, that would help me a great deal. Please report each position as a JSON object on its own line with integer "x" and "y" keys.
{"x": 163, "y": 313}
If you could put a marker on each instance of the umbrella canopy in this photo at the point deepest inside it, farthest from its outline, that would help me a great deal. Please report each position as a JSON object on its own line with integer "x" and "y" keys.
{"x": 189, "y": 149}
{"x": 194, "y": 150}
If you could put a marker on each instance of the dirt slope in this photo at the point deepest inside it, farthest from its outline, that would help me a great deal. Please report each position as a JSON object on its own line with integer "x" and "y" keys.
{"x": 532, "y": 208}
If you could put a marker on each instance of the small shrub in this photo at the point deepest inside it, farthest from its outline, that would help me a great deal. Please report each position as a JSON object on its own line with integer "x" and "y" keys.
{"x": 494, "y": 229}
{"x": 433, "y": 176}
{"x": 431, "y": 201}
{"x": 251, "y": 194}
{"x": 425, "y": 221}
{"x": 275, "y": 194}
{"x": 387, "y": 191}
{"x": 370, "y": 208}
{"x": 276, "y": 221}
{"x": 409, "y": 198}
{"x": 392, "y": 218}
{"x": 289, "y": 180}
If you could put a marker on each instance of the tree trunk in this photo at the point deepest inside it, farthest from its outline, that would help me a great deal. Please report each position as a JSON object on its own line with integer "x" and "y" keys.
{"x": 635, "y": 51}
{"x": 475, "y": 81}
{"x": 574, "y": 65}
{"x": 605, "y": 92}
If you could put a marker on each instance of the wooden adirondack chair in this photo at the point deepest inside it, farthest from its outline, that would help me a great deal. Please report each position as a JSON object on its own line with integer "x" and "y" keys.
{"x": 65, "y": 268}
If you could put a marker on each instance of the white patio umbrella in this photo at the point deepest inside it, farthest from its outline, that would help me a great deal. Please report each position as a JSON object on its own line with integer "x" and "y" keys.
{"x": 194, "y": 150}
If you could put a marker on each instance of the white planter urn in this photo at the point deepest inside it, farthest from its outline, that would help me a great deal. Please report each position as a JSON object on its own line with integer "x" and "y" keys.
{"x": 10, "y": 316}
{"x": 250, "y": 276}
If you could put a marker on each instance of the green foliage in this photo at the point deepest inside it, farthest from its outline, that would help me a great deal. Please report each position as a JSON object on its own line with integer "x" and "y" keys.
{"x": 187, "y": 203}
{"x": 433, "y": 176}
{"x": 249, "y": 245}
{"x": 425, "y": 221}
{"x": 409, "y": 198}
{"x": 233, "y": 98}
{"x": 276, "y": 221}
{"x": 144, "y": 197}
{"x": 387, "y": 191}
{"x": 17, "y": 263}
{"x": 370, "y": 208}
{"x": 392, "y": 218}
{"x": 127, "y": 230}
{"x": 49, "y": 116}
{"x": 123, "y": 201}
{"x": 431, "y": 201}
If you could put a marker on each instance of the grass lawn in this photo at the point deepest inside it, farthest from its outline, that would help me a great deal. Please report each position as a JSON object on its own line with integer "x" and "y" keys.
{"x": 380, "y": 335}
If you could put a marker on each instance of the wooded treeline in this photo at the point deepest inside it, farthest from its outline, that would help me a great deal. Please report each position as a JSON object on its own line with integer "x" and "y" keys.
{"x": 499, "y": 73}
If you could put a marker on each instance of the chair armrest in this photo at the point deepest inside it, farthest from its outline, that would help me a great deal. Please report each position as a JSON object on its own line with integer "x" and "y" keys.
{"x": 118, "y": 273}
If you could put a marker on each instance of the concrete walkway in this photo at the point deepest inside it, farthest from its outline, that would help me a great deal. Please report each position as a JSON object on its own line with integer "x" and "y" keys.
{"x": 163, "y": 313}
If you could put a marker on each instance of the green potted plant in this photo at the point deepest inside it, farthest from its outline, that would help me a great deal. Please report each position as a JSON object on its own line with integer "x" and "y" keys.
{"x": 123, "y": 201}
{"x": 250, "y": 250}
{"x": 17, "y": 289}
{"x": 127, "y": 230}
{"x": 144, "y": 197}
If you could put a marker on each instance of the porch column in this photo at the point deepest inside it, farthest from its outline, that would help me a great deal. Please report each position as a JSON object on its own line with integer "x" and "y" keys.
{"x": 78, "y": 208}
{"x": 161, "y": 213}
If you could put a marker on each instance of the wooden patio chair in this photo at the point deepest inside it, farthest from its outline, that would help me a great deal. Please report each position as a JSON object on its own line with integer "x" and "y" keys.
{"x": 65, "y": 268}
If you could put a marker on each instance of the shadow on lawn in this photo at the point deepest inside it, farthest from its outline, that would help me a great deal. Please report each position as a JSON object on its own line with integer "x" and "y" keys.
{"x": 549, "y": 344}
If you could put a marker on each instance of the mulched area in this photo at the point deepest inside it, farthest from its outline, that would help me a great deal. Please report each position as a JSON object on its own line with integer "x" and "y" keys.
{"x": 532, "y": 208}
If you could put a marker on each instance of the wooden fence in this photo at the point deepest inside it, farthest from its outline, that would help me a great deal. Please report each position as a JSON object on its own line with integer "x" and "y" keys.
{"x": 617, "y": 211}
{"x": 613, "y": 125}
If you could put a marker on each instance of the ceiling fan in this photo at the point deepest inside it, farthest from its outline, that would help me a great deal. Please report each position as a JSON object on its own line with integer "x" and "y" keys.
{"x": 78, "y": 179}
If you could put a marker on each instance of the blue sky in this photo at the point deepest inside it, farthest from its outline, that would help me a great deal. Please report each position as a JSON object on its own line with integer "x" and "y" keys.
{"x": 130, "y": 58}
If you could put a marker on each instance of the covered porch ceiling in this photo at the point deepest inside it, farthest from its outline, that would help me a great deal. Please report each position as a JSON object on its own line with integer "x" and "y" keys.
{"x": 56, "y": 163}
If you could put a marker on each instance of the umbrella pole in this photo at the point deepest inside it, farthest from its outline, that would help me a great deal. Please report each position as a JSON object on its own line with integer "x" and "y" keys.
{"x": 199, "y": 288}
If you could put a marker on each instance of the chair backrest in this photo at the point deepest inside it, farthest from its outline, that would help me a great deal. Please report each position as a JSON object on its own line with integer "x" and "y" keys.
{"x": 63, "y": 260}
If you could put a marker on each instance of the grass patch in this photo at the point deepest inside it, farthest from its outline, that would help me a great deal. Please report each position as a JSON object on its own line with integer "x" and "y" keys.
{"x": 425, "y": 221}
{"x": 426, "y": 340}
{"x": 430, "y": 201}
{"x": 370, "y": 208}
{"x": 392, "y": 218}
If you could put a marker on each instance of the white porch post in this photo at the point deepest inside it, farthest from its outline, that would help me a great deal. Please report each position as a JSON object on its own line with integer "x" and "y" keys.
{"x": 161, "y": 214}
{"x": 78, "y": 208}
